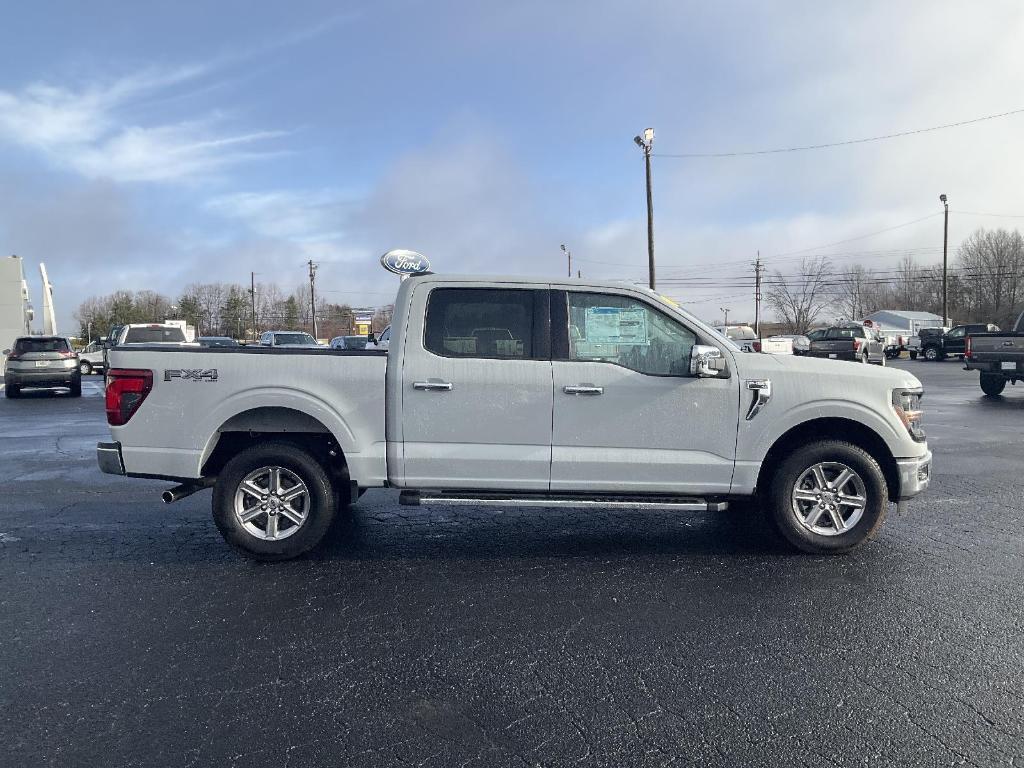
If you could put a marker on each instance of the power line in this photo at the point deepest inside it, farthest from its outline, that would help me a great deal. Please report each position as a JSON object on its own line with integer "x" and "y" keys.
{"x": 846, "y": 143}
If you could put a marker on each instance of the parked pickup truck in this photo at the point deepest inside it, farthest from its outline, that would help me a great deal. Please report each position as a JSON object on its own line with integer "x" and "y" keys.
{"x": 998, "y": 355}
{"x": 504, "y": 391}
{"x": 850, "y": 342}
{"x": 939, "y": 343}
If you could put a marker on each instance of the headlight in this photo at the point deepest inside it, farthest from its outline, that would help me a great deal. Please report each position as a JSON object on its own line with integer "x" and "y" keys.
{"x": 907, "y": 404}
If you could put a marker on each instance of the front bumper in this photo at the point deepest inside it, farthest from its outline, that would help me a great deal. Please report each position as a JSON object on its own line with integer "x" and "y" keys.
{"x": 108, "y": 456}
{"x": 915, "y": 474}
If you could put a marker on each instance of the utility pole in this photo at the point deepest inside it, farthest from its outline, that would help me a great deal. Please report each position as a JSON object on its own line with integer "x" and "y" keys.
{"x": 312, "y": 295}
{"x": 945, "y": 246}
{"x": 725, "y": 311}
{"x": 646, "y": 143}
{"x": 252, "y": 295}
{"x": 568, "y": 253}
{"x": 758, "y": 270}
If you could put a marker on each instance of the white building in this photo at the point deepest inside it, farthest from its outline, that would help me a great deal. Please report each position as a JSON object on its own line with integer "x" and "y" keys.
{"x": 904, "y": 320}
{"x": 15, "y": 310}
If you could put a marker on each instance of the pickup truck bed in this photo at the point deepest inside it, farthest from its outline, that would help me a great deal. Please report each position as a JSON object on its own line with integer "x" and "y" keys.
{"x": 277, "y": 390}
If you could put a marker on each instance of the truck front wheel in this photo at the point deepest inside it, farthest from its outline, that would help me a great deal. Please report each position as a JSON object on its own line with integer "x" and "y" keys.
{"x": 273, "y": 502}
{"x": 932, "y": 354}
{"x": 992, "y": 384}
{"x": 828, "y": 497}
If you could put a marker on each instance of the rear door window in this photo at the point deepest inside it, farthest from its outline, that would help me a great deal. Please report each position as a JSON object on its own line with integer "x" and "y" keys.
{"x": 481, "y": 322}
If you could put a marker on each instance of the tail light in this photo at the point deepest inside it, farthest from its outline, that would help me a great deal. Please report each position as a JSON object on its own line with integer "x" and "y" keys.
{"x": 756, "y": 344}
{"x": 967, "y": 348}
{"x": 856, "y": 345}
{"x": 126, "y": 389}
{"x": 71, "y": 353}
{"x": 13, "y": 355}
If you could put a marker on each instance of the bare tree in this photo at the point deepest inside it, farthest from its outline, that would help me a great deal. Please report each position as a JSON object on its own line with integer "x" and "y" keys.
{"x": 798, "y": 300}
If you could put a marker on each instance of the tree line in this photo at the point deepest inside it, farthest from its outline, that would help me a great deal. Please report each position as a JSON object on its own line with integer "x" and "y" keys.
{"x": 224, "y": 309}
{"x": 985, "y": 283}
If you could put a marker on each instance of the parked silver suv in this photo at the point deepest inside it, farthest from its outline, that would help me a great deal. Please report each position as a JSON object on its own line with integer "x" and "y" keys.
{"x": 41, "y": 361}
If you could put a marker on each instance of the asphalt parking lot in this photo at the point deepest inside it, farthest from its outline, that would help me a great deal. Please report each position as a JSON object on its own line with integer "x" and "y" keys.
{"x": 132, "y": 636}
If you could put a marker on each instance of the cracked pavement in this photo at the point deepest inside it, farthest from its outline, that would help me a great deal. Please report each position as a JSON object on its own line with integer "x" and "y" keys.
{"x": 132, "y": 636}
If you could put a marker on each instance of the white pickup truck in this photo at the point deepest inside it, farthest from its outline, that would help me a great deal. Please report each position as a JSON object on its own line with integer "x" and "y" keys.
{"x": 507, "y": 391}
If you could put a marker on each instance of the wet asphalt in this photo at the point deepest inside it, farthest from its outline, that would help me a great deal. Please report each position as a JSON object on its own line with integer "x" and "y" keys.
{"x": 130, "y": 635}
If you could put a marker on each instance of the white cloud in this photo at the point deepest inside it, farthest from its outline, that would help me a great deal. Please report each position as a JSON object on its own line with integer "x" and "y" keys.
{"x": 298, "y": 216}
{"x": 87, "y": 131}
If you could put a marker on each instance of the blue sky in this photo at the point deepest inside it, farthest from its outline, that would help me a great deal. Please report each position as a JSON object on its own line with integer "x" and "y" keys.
{"x": 149, "y": 145}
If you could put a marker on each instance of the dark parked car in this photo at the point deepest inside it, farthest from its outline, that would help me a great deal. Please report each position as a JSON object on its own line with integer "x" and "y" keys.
{"x": 217, "y": 341}
{"x": 850, "y": 342}
{"x": 348, "y": 342}
{"x": 936, "y": 345}
{"x": 41, "y": 361}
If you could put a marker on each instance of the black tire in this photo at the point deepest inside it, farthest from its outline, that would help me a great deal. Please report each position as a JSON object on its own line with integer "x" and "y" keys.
{"x": 76, "y": 387}
{"x": 779, "y": 504}
{"x": 85, "y": 368}
{"x": 932, "y": 354}
{"x": 12, "y": 391}
{"x": 319, "y": 514}
{"x": 913, "y": 355}
{"x": 992, "y": 384}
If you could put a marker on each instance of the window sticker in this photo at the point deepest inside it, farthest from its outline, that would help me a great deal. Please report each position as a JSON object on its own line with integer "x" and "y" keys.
{"x": 616, "y": 325}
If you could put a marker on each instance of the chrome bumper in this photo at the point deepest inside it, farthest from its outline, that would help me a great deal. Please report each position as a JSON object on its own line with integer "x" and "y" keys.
{"x": 915, "y": 474}
{"x": 108, "y": 456}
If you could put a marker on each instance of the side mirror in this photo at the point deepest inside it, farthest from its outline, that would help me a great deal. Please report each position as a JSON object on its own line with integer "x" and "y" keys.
{"x": 371, "y": 338}
{"x": 6, "y": 352}
{"x": 706, "y": 361}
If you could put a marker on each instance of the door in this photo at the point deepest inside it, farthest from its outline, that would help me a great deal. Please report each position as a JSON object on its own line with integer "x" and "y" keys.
{"x": 476, "y": 389}
{"x": 954, "y": 342}
{"x": 628, "y": 417}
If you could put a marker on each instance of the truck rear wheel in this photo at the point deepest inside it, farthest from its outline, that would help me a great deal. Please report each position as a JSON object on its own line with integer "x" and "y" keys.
{"x": 273, "y": 502}
{"x": 827, "y": 497}
{"x": 992, "y": 384}
{"x": 913, "y": 355}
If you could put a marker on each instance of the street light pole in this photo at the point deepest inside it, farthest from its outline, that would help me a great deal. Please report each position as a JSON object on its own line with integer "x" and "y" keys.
{"x": 645, "y": 144}
{"x": 725, "y": 311}
{"x": 945, "y": 246}
{"x": 568, "y": 253}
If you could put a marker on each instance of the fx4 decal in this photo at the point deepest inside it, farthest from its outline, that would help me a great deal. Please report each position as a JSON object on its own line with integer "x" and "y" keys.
{"x": 190, "y": 374}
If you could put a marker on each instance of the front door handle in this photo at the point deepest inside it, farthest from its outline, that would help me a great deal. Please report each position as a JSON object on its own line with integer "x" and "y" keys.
{"x": 433, "y": 386}
{"x": 583, "y": 389}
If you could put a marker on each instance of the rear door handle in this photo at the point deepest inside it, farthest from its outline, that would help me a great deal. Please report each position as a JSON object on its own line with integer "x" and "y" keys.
{"x": 433, "y": 386}
{"x": 583, "y": 389}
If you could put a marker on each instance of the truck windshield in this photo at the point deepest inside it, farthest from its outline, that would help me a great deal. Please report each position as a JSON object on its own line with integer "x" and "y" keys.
{"x": 845, "y": 333}
{"x": 156, "y": 335}
{"x": 291, "y": 339}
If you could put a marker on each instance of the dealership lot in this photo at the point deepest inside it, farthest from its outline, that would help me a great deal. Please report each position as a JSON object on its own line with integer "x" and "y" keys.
{"x": 131, "y": 635}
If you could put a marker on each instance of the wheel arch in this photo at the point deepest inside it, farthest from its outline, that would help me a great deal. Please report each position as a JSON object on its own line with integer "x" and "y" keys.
{"x": 262, "y": 424}
{"x": 834, "y": 428}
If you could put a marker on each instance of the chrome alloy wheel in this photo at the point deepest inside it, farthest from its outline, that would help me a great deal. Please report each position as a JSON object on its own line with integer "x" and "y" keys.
{"x": 271, "y": 503}
{"x": 829, "y": 498}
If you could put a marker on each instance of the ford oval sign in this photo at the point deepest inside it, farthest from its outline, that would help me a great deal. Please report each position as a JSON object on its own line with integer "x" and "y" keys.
{"x": 403, "y": 262}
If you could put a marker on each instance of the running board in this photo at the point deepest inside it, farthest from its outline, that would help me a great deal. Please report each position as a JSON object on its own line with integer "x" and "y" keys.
{"x": 598, "y": 501}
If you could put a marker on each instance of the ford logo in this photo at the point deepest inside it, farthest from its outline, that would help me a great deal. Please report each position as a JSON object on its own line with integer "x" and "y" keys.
{"x": 403, "y": 262}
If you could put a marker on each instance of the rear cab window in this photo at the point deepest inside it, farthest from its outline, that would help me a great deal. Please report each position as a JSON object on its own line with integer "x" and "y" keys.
{"x": 154, "y": 335}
